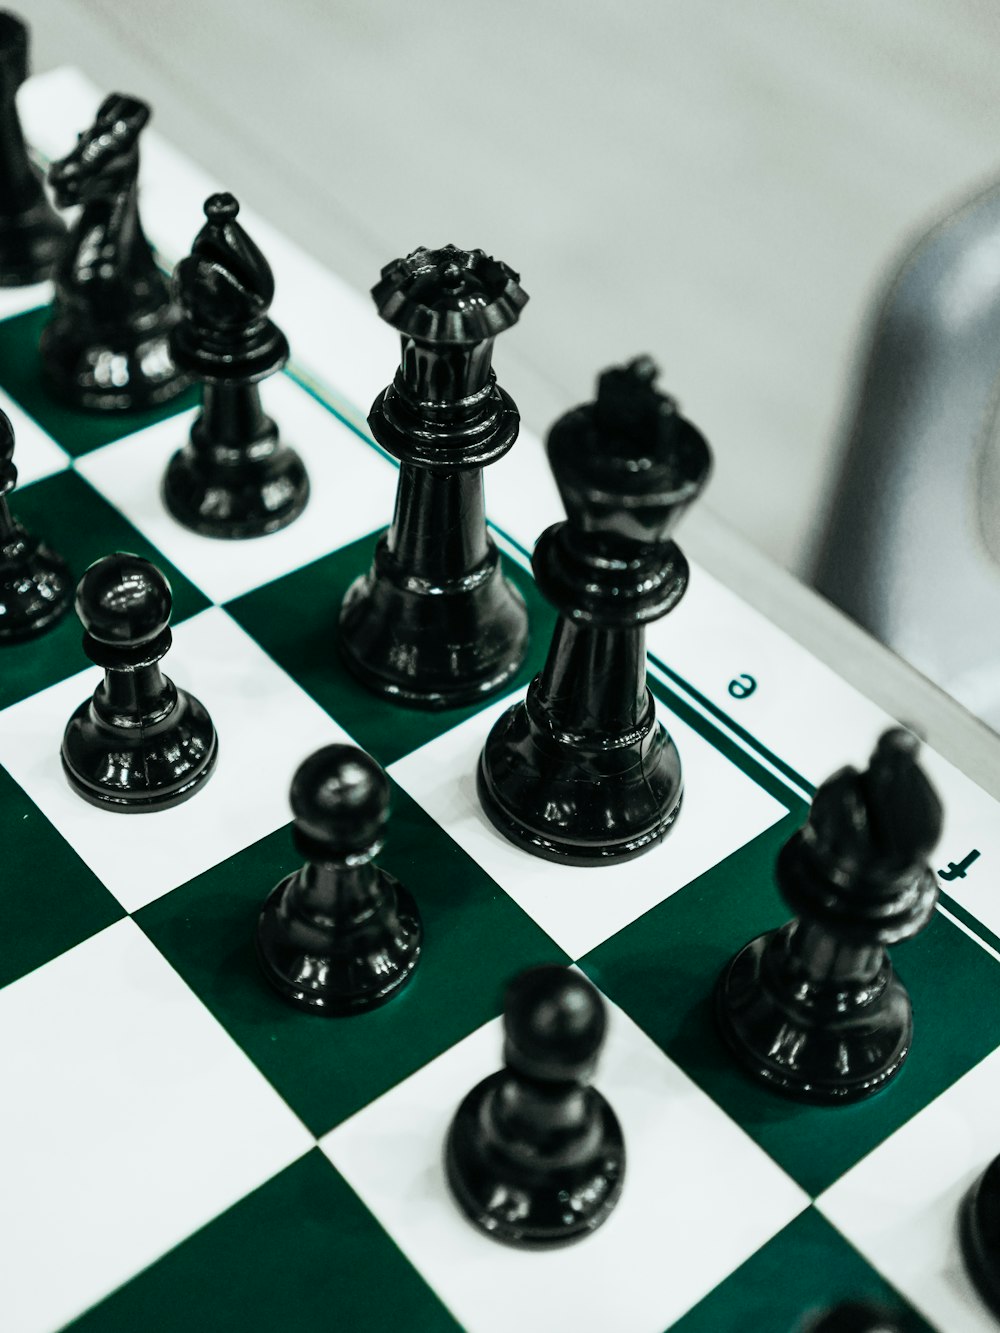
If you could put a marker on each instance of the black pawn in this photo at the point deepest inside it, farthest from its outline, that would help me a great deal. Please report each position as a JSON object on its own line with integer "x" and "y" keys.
{"x": 105, "y": 346}
{"x": 854, "y": 1317}
{"x": 31, "y": 232}
{"x": 979, "y": 1230}
{"x": 34, "y": 581}
{"x": 341, "y": 935}
{"x": 815, "y": 1009}
{"x": 581, "y": 770}
{"x": 435, "y": 624}
{"x": 535, "y": 1156}
{"x": 234, "y": 478}
{"x": 140, "y": 743}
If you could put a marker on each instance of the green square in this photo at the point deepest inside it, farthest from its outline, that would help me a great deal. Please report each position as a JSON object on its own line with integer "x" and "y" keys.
{"x": 49, "y": 900}
{"x": 77, "y": 431}
{"x": 301, "y": 1252}
{"x": 475, "y": 938}
{"x": 805, "y": 1269}
{"x": 662, "y": 970}
{"x": 80, "y": 525}
{"x": 295, "y": 620}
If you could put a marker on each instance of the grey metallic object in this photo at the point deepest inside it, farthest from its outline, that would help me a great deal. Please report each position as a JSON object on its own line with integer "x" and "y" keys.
{"x": 912, "y": 546}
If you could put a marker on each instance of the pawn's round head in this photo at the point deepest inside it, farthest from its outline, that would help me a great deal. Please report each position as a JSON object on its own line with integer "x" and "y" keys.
{"x": 340, "y": 800}
{"x": 554, "y": 1024}
{"x": 123, "y": 601}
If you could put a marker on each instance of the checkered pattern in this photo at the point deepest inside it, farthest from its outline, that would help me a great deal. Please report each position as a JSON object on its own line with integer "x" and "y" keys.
{"x": 186, "y": 1151}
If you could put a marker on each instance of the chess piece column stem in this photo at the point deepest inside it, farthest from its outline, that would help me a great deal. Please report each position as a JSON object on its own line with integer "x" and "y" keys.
{"x": 140, "y": 743}
{"x": 582, "y": 771}
{"x": 815, "y": 1009}
{"x": 341, "y": 935}
{"x": 31, "y": 232}
{"x": 435, "y": 623}
{"x": 235, "y": 478}
{"x": 105, "y": 347}
{"x": 34, "y": 581}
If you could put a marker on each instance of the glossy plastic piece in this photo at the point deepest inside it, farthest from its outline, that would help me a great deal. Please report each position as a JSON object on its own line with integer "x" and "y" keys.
{"x": 106, "y": 345}
{"x": 582, "y": 770}
{"x": 535, "y": 1157}
{"x": 854, "y": 1317}
{"x": 235, "y": 478}
{"x": 140, "y": 743}
{"x": 814, "y": 1009}
{"x": 31, "y": 232}
{"x": 341, "y": 935}
{"x": 979, "y": 1226}
{"x": 35, "y": 586}
{"x": 434, "y": 623}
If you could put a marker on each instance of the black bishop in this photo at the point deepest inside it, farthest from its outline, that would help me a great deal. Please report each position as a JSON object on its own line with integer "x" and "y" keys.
{"x": 341, "y": 935}
{"x": 235, "y": 477}
{"x": 140, "y": 743}
{"x": 815, "y": 1009}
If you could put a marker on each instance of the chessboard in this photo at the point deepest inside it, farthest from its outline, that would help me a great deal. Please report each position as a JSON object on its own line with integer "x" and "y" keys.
{"x": 184, "y": 1150}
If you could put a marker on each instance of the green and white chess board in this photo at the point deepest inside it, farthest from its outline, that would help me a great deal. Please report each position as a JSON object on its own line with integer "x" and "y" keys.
{"x": 184, "y": 1151}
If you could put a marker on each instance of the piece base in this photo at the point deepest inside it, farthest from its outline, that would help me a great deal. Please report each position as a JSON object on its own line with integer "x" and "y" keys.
{"x": 979, "y": 1233}
{"x": 156, "y": 771}
{"x": 827, "y": 1061}
{"x": 235, "y": 503}
{"x": 611, "y": 804}
{"x": 329, "y": 984}
{"x": 531, "y": 1207}
{"x": 79, "y": 372}
{"x": 433, "y": 648}
{"x": 36, "y": 591}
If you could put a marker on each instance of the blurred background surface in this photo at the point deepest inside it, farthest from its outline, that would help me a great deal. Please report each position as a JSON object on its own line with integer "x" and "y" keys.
{"x": 725, "y": 187}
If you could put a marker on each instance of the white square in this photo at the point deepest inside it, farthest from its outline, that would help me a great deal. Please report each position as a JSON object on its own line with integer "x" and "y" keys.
{"x": 581, "y": 906}
{"x": 266, "y": 726}
{"x": 132, "y": 1118}
{"x": 36, "y": 453}
{"x": 899, "y": 1206}
{"x": 15, "y": 300}
{"x": 699, "y": 1197}
{"x": 352, "y": 492}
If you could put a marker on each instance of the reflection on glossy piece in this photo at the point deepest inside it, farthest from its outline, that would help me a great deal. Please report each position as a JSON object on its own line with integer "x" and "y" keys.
{"x": 535, "y": 1157}
{"x": 140, "y": 743}
{"x": 235, "y": 478}
{"x": 340, "y": 936}
{"x": 34, "y": 581}
{"x": 31, "y": 232}
{"x": 106, "y": 345}
{"x": 434, "y": 623}
{"x": 814, "y": 1009}
{"x": 582, "y": 770}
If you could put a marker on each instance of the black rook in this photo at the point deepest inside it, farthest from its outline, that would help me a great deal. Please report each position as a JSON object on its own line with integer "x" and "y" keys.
{"x": 435, "y": 623}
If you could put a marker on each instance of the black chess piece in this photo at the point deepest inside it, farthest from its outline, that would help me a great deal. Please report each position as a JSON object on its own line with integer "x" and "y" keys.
{"x": 234, "y": 478}
{"x": 435, "y": 623}
{"x": 341, "y": 935}
{"x": 140, "y": 743}
{"x": 105, "y": 346}
{"x": 979, "y": 1231}
{"x": 31, "y": 232}
{"x": 854, "y": 1317}
{"x": 535, "y": 1156}
{"x": 34, "y": 581}
{"x": 814, "y": 1009}
{"x": 581, "y": 770}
